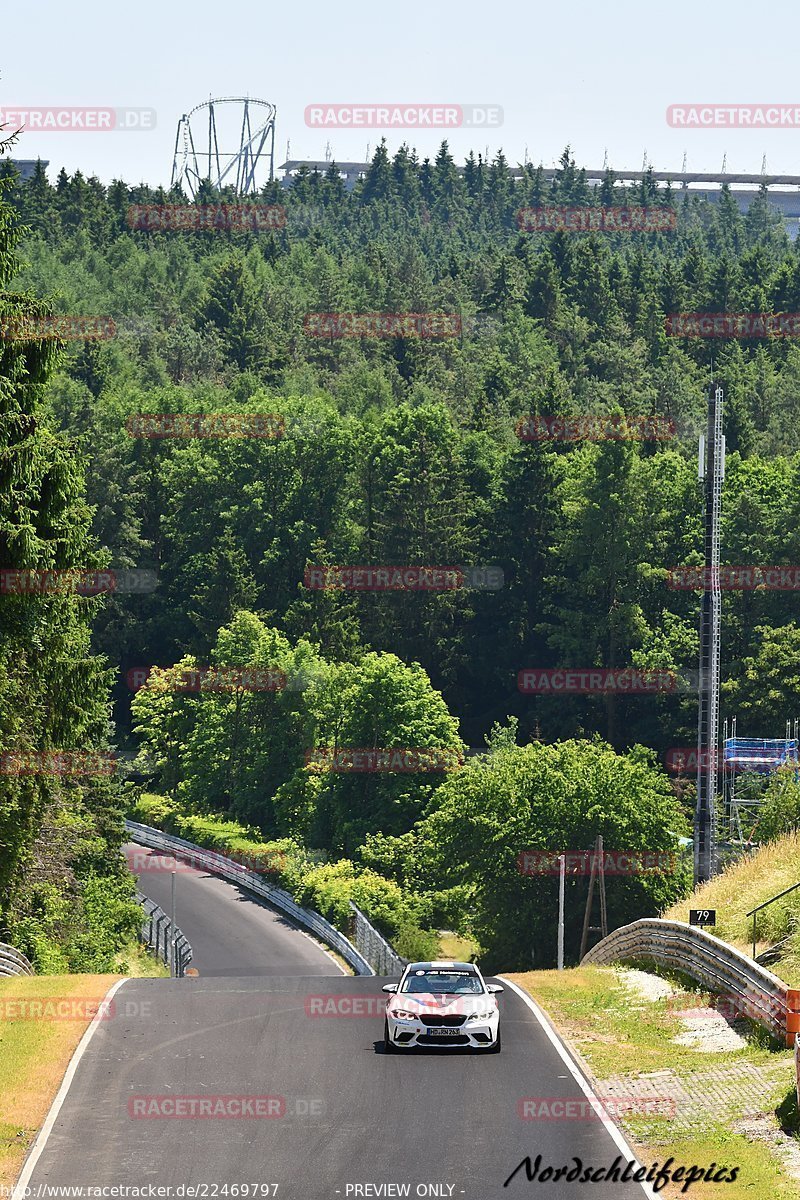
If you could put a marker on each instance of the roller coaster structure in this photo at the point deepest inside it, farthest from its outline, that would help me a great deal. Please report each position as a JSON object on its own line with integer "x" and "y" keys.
{"x": 245, "y": 169}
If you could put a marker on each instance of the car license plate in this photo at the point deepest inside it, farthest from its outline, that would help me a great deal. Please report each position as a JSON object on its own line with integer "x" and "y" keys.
{"x": 443, "y": 1031}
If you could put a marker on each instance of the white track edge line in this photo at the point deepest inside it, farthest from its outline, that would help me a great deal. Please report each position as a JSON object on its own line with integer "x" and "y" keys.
{"x": 613, "y": 1130}
{"x": 324, "y": 949}
{"x": 35, "y": 1152}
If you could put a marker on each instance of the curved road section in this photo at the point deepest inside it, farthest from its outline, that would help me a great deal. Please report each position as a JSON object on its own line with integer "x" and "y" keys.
{"x": 229, "y": 930}
{"x": 265, "y": 1077}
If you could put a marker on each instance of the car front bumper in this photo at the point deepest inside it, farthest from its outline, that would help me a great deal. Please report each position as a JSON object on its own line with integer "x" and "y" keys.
{"x": 473, "y": 1034}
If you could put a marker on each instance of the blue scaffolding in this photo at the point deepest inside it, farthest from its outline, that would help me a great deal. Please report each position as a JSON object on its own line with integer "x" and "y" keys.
{"x": 759, "y": 754}
{"x": 743, "y": 760}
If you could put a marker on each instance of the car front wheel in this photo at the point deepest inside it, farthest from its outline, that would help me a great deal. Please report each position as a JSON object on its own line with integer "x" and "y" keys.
{"x": 388, "y": 1045}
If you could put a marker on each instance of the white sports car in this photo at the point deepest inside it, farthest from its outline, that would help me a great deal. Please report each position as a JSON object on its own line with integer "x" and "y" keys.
{"x": 442, "y": 1004}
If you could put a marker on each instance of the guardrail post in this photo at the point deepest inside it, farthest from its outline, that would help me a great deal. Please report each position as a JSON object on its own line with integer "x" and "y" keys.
{"x": 173, "y": 965}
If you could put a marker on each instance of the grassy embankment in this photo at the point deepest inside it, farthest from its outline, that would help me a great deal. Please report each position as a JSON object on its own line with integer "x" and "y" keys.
{"x": 621, "y": 1035}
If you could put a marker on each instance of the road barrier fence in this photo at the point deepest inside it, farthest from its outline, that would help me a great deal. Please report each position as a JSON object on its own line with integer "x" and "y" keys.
{"x": 369, "y": 961}
{"x": 158, "y": 932}
{"x": 374, "y": 947}
{"x": 719, "y": 967}
{"x": 12, "y": 962}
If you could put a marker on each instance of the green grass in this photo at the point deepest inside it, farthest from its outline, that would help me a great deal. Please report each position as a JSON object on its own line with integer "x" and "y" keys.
{"x": 34, "y": 1054}
{"x": 759, "y": 1178}
{"x": 743, "y": 886}
{"x": 137, "y": 962}
{"x": 617, "y": 1032}
{"x": 453, "y": 948}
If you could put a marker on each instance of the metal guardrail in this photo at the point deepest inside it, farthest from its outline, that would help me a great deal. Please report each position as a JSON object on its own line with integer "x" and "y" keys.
{"x": 218, "y": 864}
{"x": 12, "y": 962}
{"x": 374, "y": 947}
{"x": 158, "y": 932}
{"x": 763, "y": 996}
{"x": 755, "y": 911}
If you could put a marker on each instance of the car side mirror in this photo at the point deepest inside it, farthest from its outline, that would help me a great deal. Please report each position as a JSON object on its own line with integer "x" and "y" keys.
{"x": 392, "y": 987}
{"x": 494, "y": 988}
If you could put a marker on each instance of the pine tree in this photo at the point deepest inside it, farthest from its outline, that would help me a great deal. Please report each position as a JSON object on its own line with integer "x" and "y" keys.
{"x": 57, "y": 835}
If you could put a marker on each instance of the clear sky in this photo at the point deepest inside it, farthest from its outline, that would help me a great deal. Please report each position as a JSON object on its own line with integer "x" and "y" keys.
{"x": 598, "y": 76}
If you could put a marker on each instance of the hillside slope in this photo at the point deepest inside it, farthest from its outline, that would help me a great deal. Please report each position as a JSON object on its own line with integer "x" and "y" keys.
{"x": 746, "y": 884}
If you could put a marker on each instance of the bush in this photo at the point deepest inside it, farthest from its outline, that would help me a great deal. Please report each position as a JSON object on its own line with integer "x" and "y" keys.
{"x": 327, "y": 887}
{"x": 81, "y": 931}
{"x": 415, "y": 944}
{"x": 550, "y": 797}
{"x": 780, "y": 812}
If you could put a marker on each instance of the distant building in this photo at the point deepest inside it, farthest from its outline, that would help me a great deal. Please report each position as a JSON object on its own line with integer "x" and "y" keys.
{"x": 350, "y": 172}
{"x": 26, "y": 166}
{"x": 784, "y": 190}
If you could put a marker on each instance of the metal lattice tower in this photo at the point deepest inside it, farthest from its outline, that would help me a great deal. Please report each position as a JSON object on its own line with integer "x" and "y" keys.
{"x": 711, "y": 469}
{"x": 245, "y": 168}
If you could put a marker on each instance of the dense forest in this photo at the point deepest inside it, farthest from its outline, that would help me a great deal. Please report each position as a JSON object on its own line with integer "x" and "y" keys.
{"x": 383, "y": 450}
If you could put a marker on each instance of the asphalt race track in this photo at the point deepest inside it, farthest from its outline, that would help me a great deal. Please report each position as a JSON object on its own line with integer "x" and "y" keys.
{"x": 229, "y": 930}
{"x": 342, "y": 1120}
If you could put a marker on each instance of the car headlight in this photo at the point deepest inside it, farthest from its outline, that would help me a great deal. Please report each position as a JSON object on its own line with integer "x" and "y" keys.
{"x": 481, "y": 1016}
{"x": 402, "y": 1014}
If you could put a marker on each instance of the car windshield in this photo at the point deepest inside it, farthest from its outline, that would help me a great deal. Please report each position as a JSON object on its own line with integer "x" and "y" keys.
{"x": 458, "y": 983}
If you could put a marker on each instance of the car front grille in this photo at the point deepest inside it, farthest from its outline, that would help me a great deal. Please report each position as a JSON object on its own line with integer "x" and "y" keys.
{"x": 454, "y": 1021}
{"x": 427, "y": 1039}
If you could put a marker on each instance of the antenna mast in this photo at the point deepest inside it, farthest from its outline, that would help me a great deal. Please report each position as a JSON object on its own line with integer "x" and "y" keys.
{"x": 711, "y": 468}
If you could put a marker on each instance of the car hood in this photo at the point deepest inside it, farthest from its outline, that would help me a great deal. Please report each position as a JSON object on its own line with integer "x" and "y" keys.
{"x": 429, "y": 1004}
